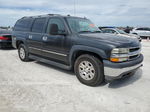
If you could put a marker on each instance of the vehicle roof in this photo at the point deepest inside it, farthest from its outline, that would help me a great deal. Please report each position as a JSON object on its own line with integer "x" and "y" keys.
{"x": 141, "y": 27}
{"x": 51, "y": 15}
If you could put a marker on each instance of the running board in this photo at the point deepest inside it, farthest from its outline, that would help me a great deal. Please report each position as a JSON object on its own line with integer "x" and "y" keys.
{"x": 37, "y": 58}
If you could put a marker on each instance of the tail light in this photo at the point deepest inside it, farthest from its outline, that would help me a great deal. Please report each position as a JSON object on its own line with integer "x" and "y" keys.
{"x": 3, "y": 38}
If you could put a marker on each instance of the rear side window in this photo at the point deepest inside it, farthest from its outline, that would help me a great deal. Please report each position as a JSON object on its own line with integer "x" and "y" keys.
{"x": 38, "y": 25}
{"x": 139, "y": 29}
{"x": 23, "y": 24}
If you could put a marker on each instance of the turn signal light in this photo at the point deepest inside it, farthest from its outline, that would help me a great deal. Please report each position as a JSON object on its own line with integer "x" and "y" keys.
{"x": 114, "y": 59}
{"x": 119, "y": 59}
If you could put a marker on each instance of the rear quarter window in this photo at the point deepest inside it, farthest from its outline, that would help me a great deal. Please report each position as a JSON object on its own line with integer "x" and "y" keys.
{"x": 139, "y": 29}
{"x": 23, "y": 24}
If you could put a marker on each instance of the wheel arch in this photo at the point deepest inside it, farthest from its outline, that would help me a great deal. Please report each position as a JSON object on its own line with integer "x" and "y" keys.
{"x": 18, "y": 42}
{"x": 80, "y": 50}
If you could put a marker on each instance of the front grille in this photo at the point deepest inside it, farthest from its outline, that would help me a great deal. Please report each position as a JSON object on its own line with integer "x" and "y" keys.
{"x": 134, "y": 53}
{"x": 134, "y": 49}
{"x": 132, "y": 57}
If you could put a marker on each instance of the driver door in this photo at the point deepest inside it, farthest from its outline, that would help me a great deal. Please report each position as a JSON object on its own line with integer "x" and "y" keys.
{"x": 54, "y": 45}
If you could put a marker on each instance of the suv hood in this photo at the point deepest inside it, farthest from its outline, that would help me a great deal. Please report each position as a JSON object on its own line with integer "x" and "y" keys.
{"x": 117, "y": 40}
{"x": 129, "y": 35}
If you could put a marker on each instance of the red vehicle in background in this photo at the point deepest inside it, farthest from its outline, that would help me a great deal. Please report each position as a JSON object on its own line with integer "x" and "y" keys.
{"x": 5, "y": 39}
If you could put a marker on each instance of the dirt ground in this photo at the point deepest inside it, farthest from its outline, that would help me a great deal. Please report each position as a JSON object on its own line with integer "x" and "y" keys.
{"x": 38, "y": 87}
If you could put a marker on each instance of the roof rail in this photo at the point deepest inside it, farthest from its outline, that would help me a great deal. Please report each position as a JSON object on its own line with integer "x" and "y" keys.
{"x": 53, "y": 14}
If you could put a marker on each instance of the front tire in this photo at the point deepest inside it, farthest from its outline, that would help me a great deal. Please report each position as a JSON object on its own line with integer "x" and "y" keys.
{"x": 89, "y": 70}
{"x": 23, "y": 53}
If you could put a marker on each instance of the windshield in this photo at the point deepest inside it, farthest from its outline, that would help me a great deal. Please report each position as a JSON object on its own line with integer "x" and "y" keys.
{"x": 121, "y": 31}
{"x": 80, "y": 25}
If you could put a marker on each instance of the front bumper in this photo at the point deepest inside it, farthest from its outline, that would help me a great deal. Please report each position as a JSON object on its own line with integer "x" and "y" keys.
{"x": 118, "y": 70}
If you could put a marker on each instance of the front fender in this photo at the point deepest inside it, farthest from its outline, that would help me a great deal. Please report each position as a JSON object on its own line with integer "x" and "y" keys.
{"x": 77, "y": 48}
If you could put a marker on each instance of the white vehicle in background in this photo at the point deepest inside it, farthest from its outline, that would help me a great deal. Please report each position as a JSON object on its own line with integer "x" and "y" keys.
{"x": 119, "y": 32}
{"x": 143, "y": 32}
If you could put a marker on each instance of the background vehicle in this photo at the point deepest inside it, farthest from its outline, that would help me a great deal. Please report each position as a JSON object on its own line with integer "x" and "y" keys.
{"x": 76, "y": 43}
{"x": 143, "y": 32}
{"x": 128, "y": 29}
{"x": 5, "y": 38}
{"x": 120, "y": 32}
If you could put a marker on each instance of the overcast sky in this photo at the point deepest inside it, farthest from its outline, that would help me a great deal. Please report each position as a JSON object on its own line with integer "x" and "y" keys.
{"x": 101, "y": 12}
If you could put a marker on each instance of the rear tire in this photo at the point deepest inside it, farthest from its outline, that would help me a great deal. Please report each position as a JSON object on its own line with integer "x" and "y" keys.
{"x": 23, "y": 53}
{"x": 89, "y": 70}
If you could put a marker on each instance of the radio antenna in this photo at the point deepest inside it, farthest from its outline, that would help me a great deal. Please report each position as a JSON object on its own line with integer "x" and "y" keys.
{"x": 74, "y": 7}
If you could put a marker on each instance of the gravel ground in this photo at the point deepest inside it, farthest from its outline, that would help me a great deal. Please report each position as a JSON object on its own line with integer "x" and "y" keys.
{"x": 38, "y": 87}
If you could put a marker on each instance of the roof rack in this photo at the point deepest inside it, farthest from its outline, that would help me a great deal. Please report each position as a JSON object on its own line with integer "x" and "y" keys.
{"x": 41, "y": 15}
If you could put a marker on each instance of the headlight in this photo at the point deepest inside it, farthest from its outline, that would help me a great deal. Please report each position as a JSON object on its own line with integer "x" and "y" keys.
{"x": 120, "y": 50}
{"x": 119, "y": 54}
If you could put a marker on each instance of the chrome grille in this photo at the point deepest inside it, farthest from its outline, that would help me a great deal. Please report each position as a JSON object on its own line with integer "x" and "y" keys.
{"x": 134, "y": 52}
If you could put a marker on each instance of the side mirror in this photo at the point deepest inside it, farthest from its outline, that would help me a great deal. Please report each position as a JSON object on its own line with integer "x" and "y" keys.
{"x": 54, "y": 29}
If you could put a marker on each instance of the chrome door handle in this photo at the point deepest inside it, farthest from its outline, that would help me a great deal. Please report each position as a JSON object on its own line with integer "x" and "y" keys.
{"x": 44, "y": 38}
{"x": 30, "y": 36}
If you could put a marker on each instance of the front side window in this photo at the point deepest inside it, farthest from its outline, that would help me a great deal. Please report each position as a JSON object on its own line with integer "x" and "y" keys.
{"x": 104, "y": 31}
{"x": 111, "y": 31}
{"x": 58, "y": 22}
{"x": 38, "y": 25}
{"x": 79, "y": 25}
{"x": 108, "y": 31}
{"x": 121, "y": 31}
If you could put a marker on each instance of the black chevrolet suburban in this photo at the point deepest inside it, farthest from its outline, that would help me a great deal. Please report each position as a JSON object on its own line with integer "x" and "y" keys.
{"x": 75, "y": 43}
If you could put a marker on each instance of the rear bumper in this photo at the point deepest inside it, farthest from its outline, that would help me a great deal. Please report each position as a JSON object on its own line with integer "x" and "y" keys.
{"x": 118, "y": 70}
{"x": 5, "y": 44}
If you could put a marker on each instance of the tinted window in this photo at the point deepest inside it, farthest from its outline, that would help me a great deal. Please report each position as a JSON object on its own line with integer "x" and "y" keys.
{"x": 5, "y": 31}
{"x": 59, "y": 22}
{"x": 23, "y": 24}
{"x": 139, "y": 29}
{"x": 146, "y": 29}
{"x": 38, "y": 25}
{"x": 104, "y": 30}
{"x": 108, "y": 31}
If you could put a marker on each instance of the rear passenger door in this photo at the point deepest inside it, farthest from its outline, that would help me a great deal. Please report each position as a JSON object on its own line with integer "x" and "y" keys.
{"x": 35, "y": 37}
